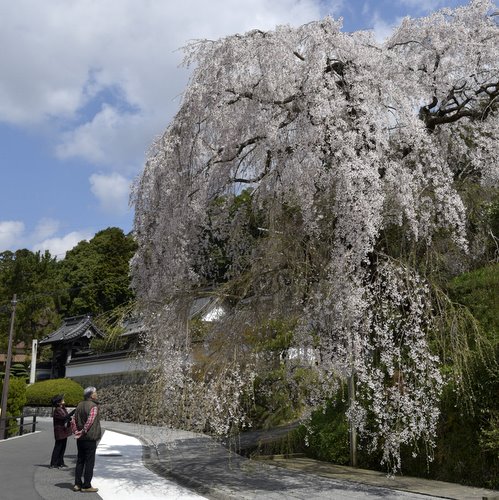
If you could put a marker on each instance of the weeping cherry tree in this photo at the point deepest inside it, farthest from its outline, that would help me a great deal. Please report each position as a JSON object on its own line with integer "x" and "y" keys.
{"x": 346, "y": 153}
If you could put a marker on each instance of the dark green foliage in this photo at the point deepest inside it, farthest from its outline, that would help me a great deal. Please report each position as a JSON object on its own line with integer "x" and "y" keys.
{"x": 479, "y": 292}
{"x": 477, "y": 430}
{"x": 492, "y": 211}
{"x": 228, "y": 219}
{"x": 18, "y": 370}
{"x": 96, "y": 273}
{"x": 460, "y": 455}
{"x": 467, "y": 445}
{"x": 34, "y": 278}
{"x": 465, "y": 452}
{"x": 489, "y": 439}
{"x": 483, "y": 220}
{"x": 16, "y": 399}
{"x": 281, "y": 388}
{"x": 280, "y": 395}
{"x": 273, "y": 339}
{"x": 40, "y": 393}
{"x": 328, "y": 433}
{"x": 274, "y": 399}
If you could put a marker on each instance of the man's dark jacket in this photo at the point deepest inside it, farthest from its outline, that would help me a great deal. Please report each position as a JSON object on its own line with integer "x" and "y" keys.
{"x": 81, "y": 416}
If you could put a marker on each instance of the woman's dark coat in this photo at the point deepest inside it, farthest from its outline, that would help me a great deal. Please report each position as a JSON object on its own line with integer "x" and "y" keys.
{"x": 60, "y": 420}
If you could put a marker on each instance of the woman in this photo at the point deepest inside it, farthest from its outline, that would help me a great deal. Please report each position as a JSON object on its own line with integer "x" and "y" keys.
{"x": 61, "y": 431}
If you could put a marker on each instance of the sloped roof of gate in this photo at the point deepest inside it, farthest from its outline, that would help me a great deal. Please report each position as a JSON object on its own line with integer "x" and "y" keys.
{"x": 72, "y": 329}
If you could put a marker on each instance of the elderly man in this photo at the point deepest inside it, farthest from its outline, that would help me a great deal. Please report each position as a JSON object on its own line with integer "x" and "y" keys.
{"x": 86, "y": 428}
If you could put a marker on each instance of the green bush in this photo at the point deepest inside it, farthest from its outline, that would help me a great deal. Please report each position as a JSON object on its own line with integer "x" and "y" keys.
{"x": 468, "y": 441}
{"x": 464, "y": 452}
{"x": 41, "y": 393}
{"x": 328, "y": 434}
{"x": 477, "y": 290}
{"x": 16, "y": 399}
{"x": 281, "y": 389}
{"x": 280, "y": 396}
{"x": 18, "y": 370}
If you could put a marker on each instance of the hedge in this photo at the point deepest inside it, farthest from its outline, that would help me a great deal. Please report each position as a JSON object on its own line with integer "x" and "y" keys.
{"x": 41, "y": 393}
{"x": 16, "y": 400}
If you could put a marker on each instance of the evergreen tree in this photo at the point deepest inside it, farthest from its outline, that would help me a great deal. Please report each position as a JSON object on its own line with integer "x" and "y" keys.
{"x": 33, "y": 277}
{"x": 96, "y": 273}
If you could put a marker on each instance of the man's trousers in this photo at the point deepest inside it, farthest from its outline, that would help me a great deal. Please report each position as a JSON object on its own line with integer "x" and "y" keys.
{"x": 85, "y": 462}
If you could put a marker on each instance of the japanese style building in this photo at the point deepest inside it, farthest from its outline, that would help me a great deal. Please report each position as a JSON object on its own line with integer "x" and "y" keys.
{"x": 71, "y": 339}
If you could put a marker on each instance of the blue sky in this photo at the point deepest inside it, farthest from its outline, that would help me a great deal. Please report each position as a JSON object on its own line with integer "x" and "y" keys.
{"x": 86, "y": 86}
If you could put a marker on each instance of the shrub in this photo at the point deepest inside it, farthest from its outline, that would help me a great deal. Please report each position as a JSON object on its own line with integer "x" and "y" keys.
{"x": 40, "y": 393}
{"x": 466, "y": 452}
{"x": 18, "y": 370}
{"x": 16, "y": 399}
{"x": 328, "y": 433}
{"x": 477, "y": 290}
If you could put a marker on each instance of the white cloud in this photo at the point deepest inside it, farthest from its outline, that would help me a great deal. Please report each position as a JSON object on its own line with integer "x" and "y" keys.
{"x": 11, "y": 232}
{"x": 59, "y": 246}
{"x": 13, "y": 236}
{"x": 112, "y": 139}
{"x": 123, "y": 53}
{"x": 423, "y": 5}
{"x": 382, "y": 29}
{"x": 112, "y": 191}
{"x": 45, "y": 228}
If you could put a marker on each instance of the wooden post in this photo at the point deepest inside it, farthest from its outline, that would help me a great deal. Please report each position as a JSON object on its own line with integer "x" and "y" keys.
{"x": 5, "y": 390}
{"x": 352, "y": 430}
{"x": 34, "y": 349}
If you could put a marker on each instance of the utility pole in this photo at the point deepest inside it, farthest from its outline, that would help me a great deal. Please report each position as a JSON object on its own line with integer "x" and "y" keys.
{"x": 5, "y": 390}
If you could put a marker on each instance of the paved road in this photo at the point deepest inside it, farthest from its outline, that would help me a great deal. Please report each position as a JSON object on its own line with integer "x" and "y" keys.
{"x": 196, "y": 461}
{"x": 119, "y": 470}
{"x": 191, "y": 461}
{"x": 20, "y": 458}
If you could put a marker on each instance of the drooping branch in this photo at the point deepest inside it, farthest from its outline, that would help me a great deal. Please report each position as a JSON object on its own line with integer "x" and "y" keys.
{"x": 459, "y": 104}
{"x": 298, "y": 55}
{"x": 251, "y": 95}
{"x": 258, "y": 178}
{"x": 239, "y": 149}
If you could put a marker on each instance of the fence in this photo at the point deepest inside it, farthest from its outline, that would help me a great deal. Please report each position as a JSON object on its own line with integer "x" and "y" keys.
{"x": 16, "y": 426}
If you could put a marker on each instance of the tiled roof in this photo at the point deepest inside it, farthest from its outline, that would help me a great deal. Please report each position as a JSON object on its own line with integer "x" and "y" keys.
{"x": 133, "y": 326}
{"x": 72, "y": 328}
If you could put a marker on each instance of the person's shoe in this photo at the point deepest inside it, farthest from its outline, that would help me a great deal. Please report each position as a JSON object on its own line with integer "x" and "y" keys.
{"x": 90, "y": 490}
{"x": 76, "y": 488}
{"x": 63, "y": 466}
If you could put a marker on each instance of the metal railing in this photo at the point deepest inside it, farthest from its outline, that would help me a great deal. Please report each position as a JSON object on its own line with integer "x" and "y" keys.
{"x": 19, "y": 426}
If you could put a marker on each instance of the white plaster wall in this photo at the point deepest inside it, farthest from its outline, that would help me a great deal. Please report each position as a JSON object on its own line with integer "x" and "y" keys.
{"x": 103, "y": 367}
